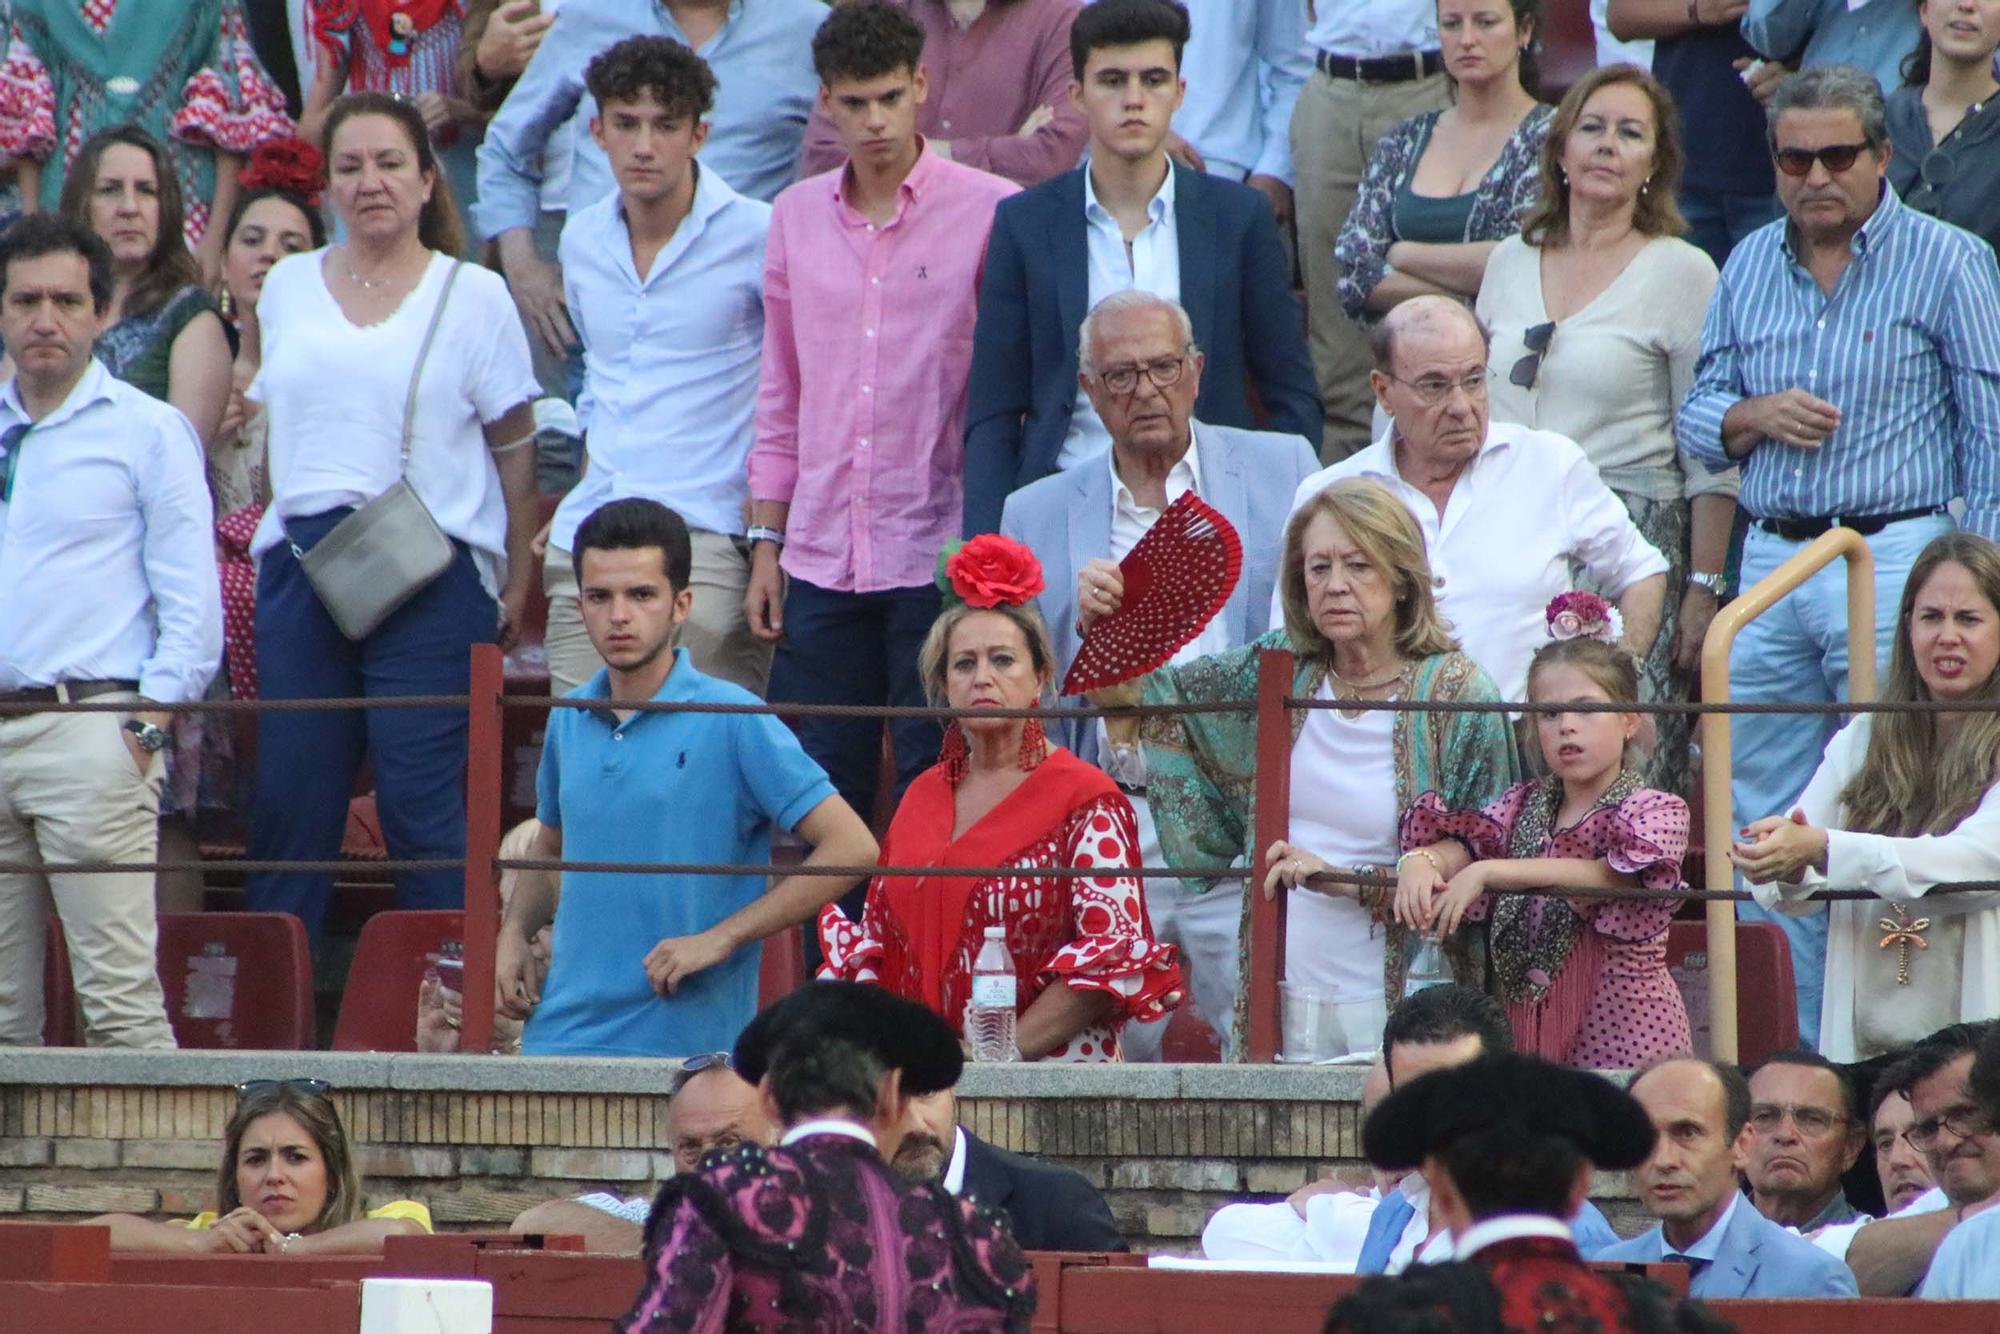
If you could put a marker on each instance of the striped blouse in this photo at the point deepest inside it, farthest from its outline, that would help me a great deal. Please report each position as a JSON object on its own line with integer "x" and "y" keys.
{"x": 1907, "y": 346}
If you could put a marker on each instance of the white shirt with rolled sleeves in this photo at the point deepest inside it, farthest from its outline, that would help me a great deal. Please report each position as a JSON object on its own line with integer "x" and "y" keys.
{"x": 1524, "y": 507}
{"x": 107, "y": 548}
{"x": 670, "y": 357}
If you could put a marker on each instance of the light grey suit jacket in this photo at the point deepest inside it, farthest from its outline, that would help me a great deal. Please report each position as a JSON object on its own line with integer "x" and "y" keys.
{"x": 1066, "y": 519}
{"x": 1757, "y": 1259}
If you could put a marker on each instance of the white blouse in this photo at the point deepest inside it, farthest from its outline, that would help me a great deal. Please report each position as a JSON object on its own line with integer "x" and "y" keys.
{"x": 1343, "y": 809}
{"x": 335, "y": 392}
{"x": 1614, "y": 372}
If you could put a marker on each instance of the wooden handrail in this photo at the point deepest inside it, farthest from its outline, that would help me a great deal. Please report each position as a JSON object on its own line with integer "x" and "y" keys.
{"x": 1718, "y": 824}
{"x": 1276, "y": 672}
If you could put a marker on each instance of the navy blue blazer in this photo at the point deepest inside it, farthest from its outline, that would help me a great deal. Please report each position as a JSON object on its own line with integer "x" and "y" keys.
{"x": 1035, "y": 292}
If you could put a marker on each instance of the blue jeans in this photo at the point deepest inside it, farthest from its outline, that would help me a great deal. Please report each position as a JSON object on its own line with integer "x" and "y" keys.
{"x": 307, "y": 760}
{"x": 1798, "y": 651}
{"x": 1718, "y": 219}
{"x": 857, "y": 648}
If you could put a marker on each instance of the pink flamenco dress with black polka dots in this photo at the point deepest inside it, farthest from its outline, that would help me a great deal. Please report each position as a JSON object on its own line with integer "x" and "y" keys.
{"x": 1584, "y": 980}
{"x": 918, "y": 935}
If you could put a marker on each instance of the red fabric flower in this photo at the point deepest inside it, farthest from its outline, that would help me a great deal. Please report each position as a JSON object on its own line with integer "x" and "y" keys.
{"x": 290, "y": 164}
{"x": 991, "y": 571}
{"x": 1579, "y": 614}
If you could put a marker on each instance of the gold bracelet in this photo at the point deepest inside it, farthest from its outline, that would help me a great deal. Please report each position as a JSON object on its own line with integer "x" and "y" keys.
{"x": 1425, "y": 853}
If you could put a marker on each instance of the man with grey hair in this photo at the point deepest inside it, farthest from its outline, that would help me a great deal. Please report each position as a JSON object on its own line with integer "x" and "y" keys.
{"x": 1142, "y": 372}
{"x": 1506, "y": 510}
{"x": 1851, "y": 367}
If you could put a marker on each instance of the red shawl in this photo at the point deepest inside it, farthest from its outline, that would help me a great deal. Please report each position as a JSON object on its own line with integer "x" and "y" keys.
{"x": 932, "y": 909}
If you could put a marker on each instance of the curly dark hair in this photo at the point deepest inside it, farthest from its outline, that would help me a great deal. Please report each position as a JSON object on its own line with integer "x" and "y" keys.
{"x": 679, "y": 80}
{"x": 1126, "y": 23}
{"x": 866, "y": 41}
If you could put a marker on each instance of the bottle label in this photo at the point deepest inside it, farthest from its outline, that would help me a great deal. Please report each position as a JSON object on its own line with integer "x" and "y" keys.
{"x": 993, "y": 992}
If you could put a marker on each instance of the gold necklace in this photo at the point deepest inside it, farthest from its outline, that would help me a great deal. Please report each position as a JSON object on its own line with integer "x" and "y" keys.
{"x": 1352, "y": 690}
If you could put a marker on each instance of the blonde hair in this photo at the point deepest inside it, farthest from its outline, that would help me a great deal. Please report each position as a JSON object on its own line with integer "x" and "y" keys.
{"x": 1389, "y": 537}
{"x": 1654, "y": 212}
{"x": 931, "y": 658}
{"x": 317, "y": 1116}
{"x": 1907, "y": 784}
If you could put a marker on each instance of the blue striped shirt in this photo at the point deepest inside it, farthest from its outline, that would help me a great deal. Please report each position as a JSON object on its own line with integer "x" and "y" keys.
{"x": 1907, "y": 347}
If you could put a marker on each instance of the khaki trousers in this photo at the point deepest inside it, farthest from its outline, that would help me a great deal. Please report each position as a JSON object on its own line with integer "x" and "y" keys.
{"x": 1335, "y": 127}
{"x": 69, "y": 792}
{"x": 717, "y": 634}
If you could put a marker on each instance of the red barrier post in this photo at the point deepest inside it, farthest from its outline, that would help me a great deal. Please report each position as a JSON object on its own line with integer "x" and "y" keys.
{"x": 1275, "y": 673}
{"x": 482, "y": 844}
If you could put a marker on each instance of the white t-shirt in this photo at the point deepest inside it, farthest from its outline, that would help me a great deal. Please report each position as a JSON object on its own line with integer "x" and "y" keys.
{"x": 335, "y": 393}
{"x": 1343, "y": 809}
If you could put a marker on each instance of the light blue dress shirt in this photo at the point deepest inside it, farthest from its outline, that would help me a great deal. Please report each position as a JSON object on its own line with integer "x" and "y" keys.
{"x": 1967, "y": 1264}
{"x": 1244, "y": 64}
{"x": 670, "y": 357}
{"x": 1874, "y": 35}
{"x": 765, "y": 85}
{"x": 1907, "y": 347}
{"x": 107, "y": 546}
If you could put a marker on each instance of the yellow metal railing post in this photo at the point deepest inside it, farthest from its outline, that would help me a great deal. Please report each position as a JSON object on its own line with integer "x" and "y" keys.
{"x": 1718, "y": 826}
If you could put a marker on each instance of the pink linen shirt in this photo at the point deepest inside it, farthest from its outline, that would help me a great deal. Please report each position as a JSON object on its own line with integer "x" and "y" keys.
{"x": 867, "y": 346}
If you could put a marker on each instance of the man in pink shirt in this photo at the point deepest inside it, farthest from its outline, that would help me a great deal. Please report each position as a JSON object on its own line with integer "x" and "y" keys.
{"x": 871, "y": 276}
{"x": 999, "y": 90}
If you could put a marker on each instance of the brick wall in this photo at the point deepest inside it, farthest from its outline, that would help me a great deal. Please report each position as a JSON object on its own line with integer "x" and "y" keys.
{"x": 83, "y": 1133}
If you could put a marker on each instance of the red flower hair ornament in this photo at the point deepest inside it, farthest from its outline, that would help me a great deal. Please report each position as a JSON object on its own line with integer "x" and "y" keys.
{"x": 989, "y": 571}
{"x": 1580, "y": 615}
{"x": 291, "y": 165}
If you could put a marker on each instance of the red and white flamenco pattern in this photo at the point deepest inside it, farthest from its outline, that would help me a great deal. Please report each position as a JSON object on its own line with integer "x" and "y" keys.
{"x": 1086, "y": 932}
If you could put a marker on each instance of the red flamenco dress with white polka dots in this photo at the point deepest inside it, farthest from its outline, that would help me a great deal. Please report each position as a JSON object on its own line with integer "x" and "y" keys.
{"x": 918, "y": 935}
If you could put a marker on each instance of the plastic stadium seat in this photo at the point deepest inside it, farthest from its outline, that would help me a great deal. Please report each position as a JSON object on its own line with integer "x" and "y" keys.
{"x": 378, "y": 1009}
{"x": 59, "y": 1026}
{"x": 1767, "y": 1005}
{"x": 784, "y": 966}
{"x": 237, "y": 980}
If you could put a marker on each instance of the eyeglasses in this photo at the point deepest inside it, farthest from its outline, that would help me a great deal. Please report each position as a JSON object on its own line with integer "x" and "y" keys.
{"x": 250, "y": 1088}
{"x": 694, "y": 1065}
{"x": 1432, "y": 390}
{"x": 1963, "y": 1121}
{"x": 1164, "y": 372}
{"x": 1836, "y": 157}
{"x": 1527, "y": 368}
{"x": 1813, "y": 1122}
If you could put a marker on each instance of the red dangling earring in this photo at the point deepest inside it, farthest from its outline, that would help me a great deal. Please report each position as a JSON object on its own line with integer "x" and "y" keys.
{"x": 1034, "y": 744}
{"x": 955, "y": 755}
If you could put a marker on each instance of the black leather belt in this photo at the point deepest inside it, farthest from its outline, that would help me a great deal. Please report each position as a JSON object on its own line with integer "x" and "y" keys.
{"x": 69, "y": 692}
{"x": 1380, "y": 69}
{"x": 1805, "y": 530}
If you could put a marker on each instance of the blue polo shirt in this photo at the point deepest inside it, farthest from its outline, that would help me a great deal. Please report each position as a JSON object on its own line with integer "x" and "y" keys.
{"x": 659, "y": 787}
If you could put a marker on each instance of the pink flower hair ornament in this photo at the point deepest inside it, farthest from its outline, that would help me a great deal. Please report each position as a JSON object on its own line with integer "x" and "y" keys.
{"x": 1579, "y": 615}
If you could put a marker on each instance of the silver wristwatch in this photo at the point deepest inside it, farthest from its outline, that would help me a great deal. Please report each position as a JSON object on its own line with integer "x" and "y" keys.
{"x": 152, "y": 737}
{"x": 1712, "y": 582}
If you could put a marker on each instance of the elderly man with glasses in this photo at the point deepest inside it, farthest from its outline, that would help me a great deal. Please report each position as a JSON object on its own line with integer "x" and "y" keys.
{"x": 1143, "y": 375}
{"x": 1805, "y": 1133}
{"x": 1967, "y": 1265}
{"x": 1847, "y": 366}
{"x": 1507, "y": 511}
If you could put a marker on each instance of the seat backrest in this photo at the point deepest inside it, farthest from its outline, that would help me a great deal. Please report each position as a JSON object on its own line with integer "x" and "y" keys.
{"x": 237, "y": 980}
{"x": 58, "y": 990}
{"x": 378, "y": 1006}
{"x": 1767, "y": 1003}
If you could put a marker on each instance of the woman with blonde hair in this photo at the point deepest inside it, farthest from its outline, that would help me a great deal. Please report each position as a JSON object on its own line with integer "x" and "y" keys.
{"x": 1355, "y": 584}
{"x": 287, "y": 1186}
{"x": 1001, "y": 795}
{"x": 1903, "y": 803}
{"x": 1596, "y": 311}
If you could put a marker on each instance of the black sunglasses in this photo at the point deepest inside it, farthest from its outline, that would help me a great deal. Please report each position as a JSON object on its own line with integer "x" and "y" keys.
{"x": 1799, "y": 161}
{"x": 317, "y": 1088}
{"x": 1527, "y": 368}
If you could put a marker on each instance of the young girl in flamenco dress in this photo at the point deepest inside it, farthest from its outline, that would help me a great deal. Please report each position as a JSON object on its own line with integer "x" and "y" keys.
{"x": 1582, "y": 969}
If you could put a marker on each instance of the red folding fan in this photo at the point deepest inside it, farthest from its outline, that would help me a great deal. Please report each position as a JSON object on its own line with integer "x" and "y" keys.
{"x": 1176, "y": 580}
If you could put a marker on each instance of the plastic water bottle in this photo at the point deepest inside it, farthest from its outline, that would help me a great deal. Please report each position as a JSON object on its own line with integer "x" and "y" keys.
{"x": 989, "y": 1015}
{"x": 1428, "y": 968}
